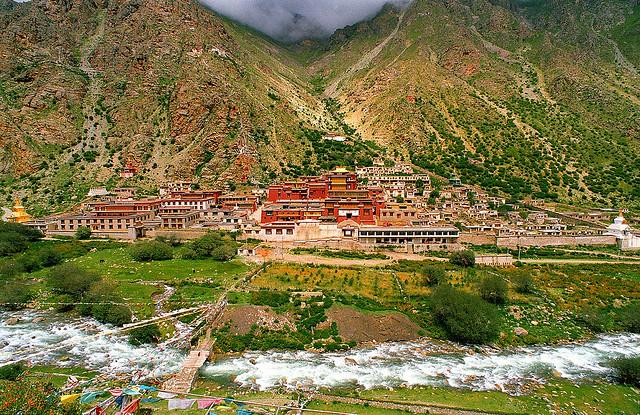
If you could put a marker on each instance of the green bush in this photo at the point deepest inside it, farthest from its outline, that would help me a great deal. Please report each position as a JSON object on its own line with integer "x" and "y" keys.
{"x": 15, "y": 296}
{"x": 83, "y": 232}
{"x": 48, "y": 257}
{"x": 523, "y": 283}
{"x": 594, "y": 319}
{"x": 150, "y": 251}
{"x": 494, "y": 289}
{"x": 432, "y": 275}
{"x": 627, "y": 370}
{"x": 145, "y": 335}
{"x": 464, "y": 259}
{"x": 103, "y": 304}
{"x": 631, "y": 318}
{"x": 71, "y": 279}
{"x": 12, "y": 371}
{"x": 465, "y": 317}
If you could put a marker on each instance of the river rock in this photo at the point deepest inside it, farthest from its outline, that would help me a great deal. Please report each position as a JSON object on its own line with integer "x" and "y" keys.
{"x": 12, "y": 321}
{"x": 38, "y": 319}
{"x": 519, "y": 331}
{"x": 349, "y": 361}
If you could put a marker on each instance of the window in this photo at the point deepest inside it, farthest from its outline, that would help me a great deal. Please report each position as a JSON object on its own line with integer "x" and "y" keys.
{"x": 289, "y": 231}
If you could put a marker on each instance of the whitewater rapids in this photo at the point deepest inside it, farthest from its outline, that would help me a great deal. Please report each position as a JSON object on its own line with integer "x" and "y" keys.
{"x": 74, "y": 342}
{"x": 393, "y": 365}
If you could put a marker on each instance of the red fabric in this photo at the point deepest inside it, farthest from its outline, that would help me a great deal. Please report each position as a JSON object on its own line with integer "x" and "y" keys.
{"x": 131, "y": 408}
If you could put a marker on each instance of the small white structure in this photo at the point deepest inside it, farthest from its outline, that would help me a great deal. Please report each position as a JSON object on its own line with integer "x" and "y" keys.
{"x": 627, "y": 240}
{"x": 98, "y": 192}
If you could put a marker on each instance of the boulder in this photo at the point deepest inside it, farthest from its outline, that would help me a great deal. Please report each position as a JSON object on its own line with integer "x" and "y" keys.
{"x": 12, "y": 321}
{"x": 38, "y": 319}
{"x": 519, "y": 331}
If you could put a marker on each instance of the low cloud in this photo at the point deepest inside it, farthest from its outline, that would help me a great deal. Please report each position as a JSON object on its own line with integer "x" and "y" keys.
{"x": 293, "y": 20}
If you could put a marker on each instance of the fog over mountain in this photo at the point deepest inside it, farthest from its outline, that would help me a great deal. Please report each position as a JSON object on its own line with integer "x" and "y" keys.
{"x": 293, "y": 20}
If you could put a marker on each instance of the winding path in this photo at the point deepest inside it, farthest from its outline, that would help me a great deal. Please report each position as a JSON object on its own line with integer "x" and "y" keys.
{"x": 333, "y": 89}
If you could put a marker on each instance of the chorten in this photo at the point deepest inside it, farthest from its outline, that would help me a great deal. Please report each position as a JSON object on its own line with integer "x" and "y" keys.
{"x": 20, "y": 215}
{"x": 619, "y": 228}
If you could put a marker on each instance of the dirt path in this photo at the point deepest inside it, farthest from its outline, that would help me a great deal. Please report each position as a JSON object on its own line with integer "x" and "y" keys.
{"x": 416, "y": 407}
{"x": 332, "y": 90}
{"x": 578, "y": 261}
{"x": 342, "y": 262}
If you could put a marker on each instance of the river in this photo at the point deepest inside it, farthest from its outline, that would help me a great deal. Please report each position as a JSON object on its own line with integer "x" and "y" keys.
{"x": 60, "y": 341}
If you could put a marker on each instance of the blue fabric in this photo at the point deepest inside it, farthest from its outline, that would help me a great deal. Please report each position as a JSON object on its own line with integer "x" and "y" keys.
{"x": 90, "y": 397}
{"x": 243, "y": 412}
{"x": 130, "y": 392}
{"x": 119, "y": 400}
{"x": 150, "y": 400}
{"x": 148, "y": 388}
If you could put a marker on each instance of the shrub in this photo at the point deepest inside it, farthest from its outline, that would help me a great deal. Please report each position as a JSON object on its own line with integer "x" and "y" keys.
{"x": 71, "y": 279}
{"x": 464, "y": 259}
{"x": 49, "y": 257}
{"x": 103, "y": 305}
{"x": 270, "y": 298}
{"x": 12, "y": 371}
{"x": 465, "y": 317}
{"x": 432, "y": 275}
{"x": 145, "y": 335}
{"x": 594, "y": 319}
{"x": 27, "y": 397}
{"x": 523, "y": 283}
{"x": 150, "y": 251}
{"x": 627, "y": 370}
{"x": 493, "y": 288}
{"x": 15, "y": 296}
{"x": 83, "y": 232}
{"x": 631, "y": 318}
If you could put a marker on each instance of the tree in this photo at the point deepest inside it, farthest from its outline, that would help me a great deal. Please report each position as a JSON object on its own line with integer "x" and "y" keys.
{"x": 49, "y": 257}
{"x": 72, "y": 280}
{"x": 150, "y": 251}
{"x": 432, "y": 275}
{"x": 464, "y": 259}
{"x": 83, "y": 232}
{"x": 220, "y": 246}
{"x": 465, "y": 317}
{"x": 15, "y": 296}
{"x": 15, "y": 238}
{"x": 494, "y": 289}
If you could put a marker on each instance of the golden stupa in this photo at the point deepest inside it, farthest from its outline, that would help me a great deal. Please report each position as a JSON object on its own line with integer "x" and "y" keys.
{"x": 20, "y": 215}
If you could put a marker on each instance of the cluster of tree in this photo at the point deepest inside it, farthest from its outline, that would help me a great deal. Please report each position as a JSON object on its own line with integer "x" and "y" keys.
{"x": 15, "y": 238}
{"x": 148, "y": 251}
{"x": 85, "y": 291}
{"x": 218, "y": 245}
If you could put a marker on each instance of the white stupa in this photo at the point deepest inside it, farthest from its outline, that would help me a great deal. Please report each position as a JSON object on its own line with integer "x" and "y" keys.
{"x": 619, "y": 228}
{"x": 623, "y": 233}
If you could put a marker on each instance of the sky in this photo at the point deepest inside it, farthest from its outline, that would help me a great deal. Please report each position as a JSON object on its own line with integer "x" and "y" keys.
{"x": 293, "y": 20}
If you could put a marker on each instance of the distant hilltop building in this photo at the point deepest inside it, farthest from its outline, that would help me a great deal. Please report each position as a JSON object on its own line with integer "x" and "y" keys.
{"x": 334, "y": 137}
{"x": 627, "y": 240}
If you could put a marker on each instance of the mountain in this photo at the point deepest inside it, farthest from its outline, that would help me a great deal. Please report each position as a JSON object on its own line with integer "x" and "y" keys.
{"x": 526, "y": 98}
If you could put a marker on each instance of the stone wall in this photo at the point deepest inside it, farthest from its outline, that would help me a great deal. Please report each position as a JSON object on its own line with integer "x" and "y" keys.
{"x": 494, "y": 260}
{"x": 540, "y": 241}
{"x": 477, "y": 238}
{"x": 181, "y": 234}
{"x": 630, "y": 244}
